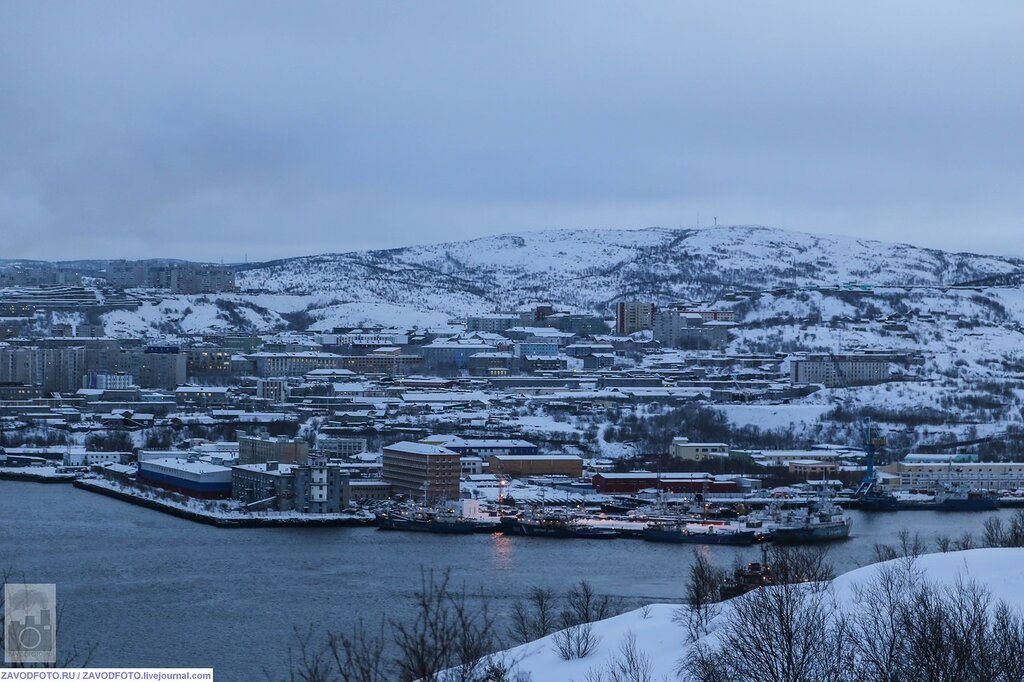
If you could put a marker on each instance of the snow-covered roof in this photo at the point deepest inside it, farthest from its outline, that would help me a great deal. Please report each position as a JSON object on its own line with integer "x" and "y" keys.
{"x": 419, "y": 448}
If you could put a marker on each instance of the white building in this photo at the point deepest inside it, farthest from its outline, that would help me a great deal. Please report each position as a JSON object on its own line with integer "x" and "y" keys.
{"x": 682, "y": 448}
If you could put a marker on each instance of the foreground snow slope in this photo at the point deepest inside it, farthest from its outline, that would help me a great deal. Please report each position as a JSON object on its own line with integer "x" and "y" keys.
{"x": 665, "y": 642}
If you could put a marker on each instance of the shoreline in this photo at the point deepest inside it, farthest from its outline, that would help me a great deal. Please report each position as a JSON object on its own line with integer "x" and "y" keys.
{"x": 9, "y": 475}
{"x": 220, "y": 521}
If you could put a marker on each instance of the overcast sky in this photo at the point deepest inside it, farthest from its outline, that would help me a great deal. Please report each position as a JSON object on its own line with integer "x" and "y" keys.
{"x": 227, "y": 130}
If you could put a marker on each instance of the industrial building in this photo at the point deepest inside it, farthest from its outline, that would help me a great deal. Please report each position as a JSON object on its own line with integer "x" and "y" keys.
{"x": 635, "y": 481}
{"x": 536, "y": 465}
{"x": 188, "y": 476}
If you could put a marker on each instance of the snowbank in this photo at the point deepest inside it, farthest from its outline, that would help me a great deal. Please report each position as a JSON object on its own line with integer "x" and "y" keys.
{"x": 664, "y": 641}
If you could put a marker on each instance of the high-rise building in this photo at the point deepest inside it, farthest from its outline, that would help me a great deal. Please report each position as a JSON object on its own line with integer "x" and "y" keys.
{"x": 633, "y": 316}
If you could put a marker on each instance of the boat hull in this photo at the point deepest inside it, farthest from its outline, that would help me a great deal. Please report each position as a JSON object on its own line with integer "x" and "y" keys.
{"x": 809, "y": 534}
{"x": 441, "y": 527}
{"x": 556, "y": 531}
{"x": 747, "y": 537}
{"x": 891, "y": 504}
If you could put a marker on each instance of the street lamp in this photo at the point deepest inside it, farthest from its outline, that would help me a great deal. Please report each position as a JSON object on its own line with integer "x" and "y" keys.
{"x": 502, "y": 482}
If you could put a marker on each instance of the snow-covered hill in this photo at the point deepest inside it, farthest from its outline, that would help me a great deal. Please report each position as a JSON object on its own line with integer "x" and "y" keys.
{"x": 585, "y": 269}
{"x": 660, "y": 634}
{"x": 589, "y": 269}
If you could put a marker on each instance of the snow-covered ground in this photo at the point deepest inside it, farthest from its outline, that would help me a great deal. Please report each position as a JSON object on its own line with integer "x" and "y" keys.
{"x": 664, "y": 641}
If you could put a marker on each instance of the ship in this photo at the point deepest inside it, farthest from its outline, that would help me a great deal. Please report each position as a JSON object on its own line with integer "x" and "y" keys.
{"x": 756, "y": 574}
{"x": 554, "y": 525}
{"x": 947, "y": 496}
{"x": 700, "y": 533}
{"x": 426, "y": 520}
{"x": 944, "y": 499}
{"x": 823, "y": 521}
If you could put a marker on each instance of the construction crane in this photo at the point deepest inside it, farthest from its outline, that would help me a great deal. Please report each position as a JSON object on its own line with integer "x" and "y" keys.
{"x": 870, "y": 443}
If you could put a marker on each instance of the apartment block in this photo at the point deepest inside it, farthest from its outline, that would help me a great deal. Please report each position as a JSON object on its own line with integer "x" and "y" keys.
{"x": 258, "y": 450}
{"x": 420, "y": 470}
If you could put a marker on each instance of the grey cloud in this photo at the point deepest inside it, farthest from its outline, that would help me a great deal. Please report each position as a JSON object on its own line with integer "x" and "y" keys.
{"x": 267, "y": 129}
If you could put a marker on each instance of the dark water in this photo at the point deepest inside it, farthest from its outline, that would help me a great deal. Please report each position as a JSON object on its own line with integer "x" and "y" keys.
{"x": 153, "y": 590}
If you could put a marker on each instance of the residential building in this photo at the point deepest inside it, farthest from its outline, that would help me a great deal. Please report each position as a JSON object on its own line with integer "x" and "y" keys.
{"x": 106, "y": 381}
{"x": 293, "y": 364}
{"x": 495, "y": 322}
{"x": 341, "y": 447}
{"x": 311, "y": 489}
{"x": 681, "y": 329}
{"x": 202, "y": 396}
{"x": 274, "y": 390}
{"x": 258, "y": 450}
{"x": 633, "y": 316}
{"x": 421, "y": 470}
{"x": 482, "y": 447}
{"x": 834, "y": 371}
{"x": 453, "y": 354}
{"x": 470, "y": 465}
{"x": 682, "y": 448}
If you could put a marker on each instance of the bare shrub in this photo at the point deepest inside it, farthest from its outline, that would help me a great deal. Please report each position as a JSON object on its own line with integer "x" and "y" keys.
{"x": 630, "y": 665}
{"x": 909, "y": 546}
{"x": 779, "y": 633}
{"x": 576, "y": 641}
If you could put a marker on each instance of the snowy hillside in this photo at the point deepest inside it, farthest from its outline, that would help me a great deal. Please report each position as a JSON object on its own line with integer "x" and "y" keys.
{"x": 427, "y": 286}
{"x": 589, "y": 269}
{"x": 661, "y": 639}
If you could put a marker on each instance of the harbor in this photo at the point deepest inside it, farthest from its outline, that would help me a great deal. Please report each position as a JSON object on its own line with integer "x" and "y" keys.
{"x": 187, "y": 579}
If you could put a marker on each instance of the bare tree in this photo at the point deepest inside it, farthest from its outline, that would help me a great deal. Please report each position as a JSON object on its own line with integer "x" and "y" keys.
{"x": 779, "y": 633}
{"x": 584, "y": 605}
{"x": 1008, "y": 534}
{"x": 877, "y": 625}
{"x": 799, "y": 564}
{"x": 449, "y": 639}
{"x": 703, "y": 592}
{"x": 1007, "y": 643}
{"x": 910, "y": 545}
{"x": 535, "y": 617}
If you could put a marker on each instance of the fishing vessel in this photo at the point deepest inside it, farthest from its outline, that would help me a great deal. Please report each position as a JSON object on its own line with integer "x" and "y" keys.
{"x": 427, "y": 520}
{"x": 947, "y": 496}
{"x": 944, "y": 499}
{"x": 554, "y": 525}
{"x": 700, "y": 533}
{"x": 822, "y": 521}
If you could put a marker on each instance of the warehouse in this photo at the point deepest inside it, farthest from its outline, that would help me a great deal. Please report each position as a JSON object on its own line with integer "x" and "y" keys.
{"x": 190, "y": 477}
